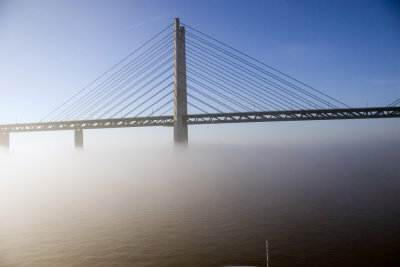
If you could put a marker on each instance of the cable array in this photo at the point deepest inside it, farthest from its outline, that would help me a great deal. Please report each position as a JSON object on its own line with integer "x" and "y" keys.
{"x": 394, "y": 103}
{"x": 219, "y": 79}
{"x": 223, "y": 79}
{"x": 141, "y": 84}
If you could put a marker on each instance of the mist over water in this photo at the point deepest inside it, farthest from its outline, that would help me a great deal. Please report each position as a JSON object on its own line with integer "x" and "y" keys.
{"x": 330, "y": 205}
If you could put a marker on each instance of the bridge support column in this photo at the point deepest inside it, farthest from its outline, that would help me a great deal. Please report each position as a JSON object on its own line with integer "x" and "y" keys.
{"x": 4, "y": 140}
{"x": 78, "y": 138}
{"x": 180, "y": 95}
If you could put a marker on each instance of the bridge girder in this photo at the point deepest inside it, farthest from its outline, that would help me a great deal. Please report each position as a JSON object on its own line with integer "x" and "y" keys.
{"x": 89, "y": 124}
{"x": 196, "y": 119}
{"x": 295, "y": 115}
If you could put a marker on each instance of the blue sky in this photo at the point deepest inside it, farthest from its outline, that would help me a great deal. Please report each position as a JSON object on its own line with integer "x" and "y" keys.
{"x": 347, "y": 49}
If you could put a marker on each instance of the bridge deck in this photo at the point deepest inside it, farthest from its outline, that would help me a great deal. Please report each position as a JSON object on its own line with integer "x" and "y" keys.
{"x": 264, "y": 116}
{"x": 296, "y": 115}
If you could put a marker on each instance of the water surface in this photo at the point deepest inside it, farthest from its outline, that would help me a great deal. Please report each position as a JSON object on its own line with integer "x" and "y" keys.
{"x": 333, "y": 205}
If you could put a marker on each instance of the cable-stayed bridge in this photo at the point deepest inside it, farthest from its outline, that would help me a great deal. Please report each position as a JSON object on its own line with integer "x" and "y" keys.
{"x": 184, "y": 77}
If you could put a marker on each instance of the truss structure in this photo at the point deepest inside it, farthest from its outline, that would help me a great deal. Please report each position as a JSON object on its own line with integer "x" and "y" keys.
{"x": 89, "y": 124}
{"x": 296, "y": 115}
{"x": 194, "y": 119}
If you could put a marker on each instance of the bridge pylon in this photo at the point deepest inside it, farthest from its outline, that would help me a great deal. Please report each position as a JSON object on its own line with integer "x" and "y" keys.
{"x": 5, "y": 140}
{"x": 180, "y": 94}
{"x": 78, "y": 137}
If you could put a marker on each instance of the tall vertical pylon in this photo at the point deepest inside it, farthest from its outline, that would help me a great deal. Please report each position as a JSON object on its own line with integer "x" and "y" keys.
{"x": 180, "y": 95}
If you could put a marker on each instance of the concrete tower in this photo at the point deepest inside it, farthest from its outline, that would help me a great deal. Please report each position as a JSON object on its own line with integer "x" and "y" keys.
{"x": 180, "y": 96}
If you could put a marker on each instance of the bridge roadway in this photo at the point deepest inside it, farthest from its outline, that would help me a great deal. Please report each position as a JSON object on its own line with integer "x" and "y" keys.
{"x": 211, "y": 118}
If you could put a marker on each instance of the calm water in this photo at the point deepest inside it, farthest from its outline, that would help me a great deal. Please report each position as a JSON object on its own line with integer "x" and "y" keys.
{"x": 318, "y": 206}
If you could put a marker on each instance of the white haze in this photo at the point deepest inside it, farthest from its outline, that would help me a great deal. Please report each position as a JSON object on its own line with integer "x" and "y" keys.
{"x": 63, "y": 208}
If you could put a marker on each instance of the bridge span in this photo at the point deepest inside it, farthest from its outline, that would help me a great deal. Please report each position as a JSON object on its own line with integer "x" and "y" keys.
{"x": 208, "y": 76}
{"x": 197, "y": 119}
